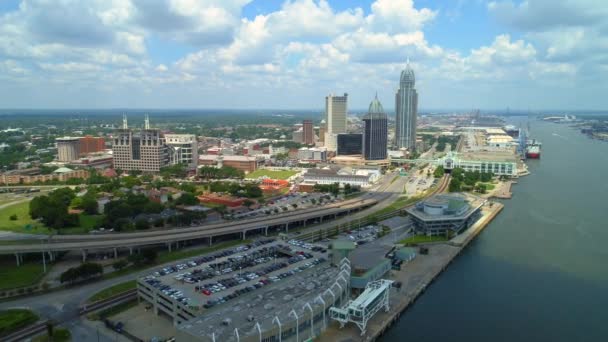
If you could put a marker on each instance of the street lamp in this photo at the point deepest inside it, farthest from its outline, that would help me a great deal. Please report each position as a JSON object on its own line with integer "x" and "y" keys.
{"x": 276, "y": 319}
{"x": 293, "y": 312}
{"x": 312, "y": 316}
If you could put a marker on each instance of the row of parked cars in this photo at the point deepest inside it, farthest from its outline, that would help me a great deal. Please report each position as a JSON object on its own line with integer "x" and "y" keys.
{"x": 263, "y": 282}
{"x": 233, "y": 264}
{"x": 209, "y": 258}
{"x": 168, "y": 290}
{"x": 226, "y": 283}
{"x": 306, "y": 245}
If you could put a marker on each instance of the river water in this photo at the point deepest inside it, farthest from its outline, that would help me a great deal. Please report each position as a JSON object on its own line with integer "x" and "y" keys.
{"x": 539, "y": 271}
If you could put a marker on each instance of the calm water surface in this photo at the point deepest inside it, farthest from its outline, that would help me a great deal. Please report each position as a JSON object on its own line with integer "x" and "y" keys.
{"x": 539, "y": 272}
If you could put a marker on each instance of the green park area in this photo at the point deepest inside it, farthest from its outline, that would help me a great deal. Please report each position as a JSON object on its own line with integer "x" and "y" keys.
{"x": 412, "y": 240}
{"x": 13, "y": 276}
{"x": 59, "y": 335}
{"x": 282, "y": 174}
{"x": 113, "y": 290}
{"x": 12, "y": 320}
{"x": 16, "y": 218}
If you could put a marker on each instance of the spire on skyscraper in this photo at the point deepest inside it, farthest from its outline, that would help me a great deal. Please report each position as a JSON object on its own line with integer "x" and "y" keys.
{"x": 124, "y": 122}
{"x": 147, "y": 122}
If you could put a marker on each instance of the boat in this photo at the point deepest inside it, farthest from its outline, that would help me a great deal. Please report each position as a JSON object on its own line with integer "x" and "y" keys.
{"x": 533, "y": 149}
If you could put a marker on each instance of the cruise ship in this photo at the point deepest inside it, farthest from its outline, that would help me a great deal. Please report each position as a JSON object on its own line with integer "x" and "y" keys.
{"x": 533, "y": 149}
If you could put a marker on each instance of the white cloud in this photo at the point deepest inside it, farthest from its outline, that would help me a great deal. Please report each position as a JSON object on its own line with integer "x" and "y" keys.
{"x": 303, "y": 47}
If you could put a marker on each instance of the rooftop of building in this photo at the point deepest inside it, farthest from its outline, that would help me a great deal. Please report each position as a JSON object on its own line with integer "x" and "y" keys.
{"x": 214, "y": 157}
{"x": 453, "y": 205}
{"x": 490, "y": 156}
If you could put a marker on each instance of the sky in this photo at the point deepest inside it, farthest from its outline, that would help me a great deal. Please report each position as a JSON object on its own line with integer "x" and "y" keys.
{"x": 269, "y": 54}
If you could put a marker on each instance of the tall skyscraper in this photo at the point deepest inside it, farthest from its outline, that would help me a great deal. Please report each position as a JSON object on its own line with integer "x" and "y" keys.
{"x": 308, "y": 135}
{"x": 335, "y": 118}
{"x": 406, "y": 106}
{"x": 375, "y": 133}
{"x": 145, "y": 150}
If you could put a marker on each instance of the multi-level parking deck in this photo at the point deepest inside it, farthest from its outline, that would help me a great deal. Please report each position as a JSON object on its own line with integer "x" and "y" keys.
{"x": 184, "y": 291}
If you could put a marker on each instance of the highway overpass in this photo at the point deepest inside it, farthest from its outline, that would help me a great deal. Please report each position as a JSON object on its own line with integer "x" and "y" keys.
{"x": 108, "y": 242}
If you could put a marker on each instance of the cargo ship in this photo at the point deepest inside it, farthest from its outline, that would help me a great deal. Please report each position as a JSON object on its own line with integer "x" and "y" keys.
{"x": 533, "y": 149}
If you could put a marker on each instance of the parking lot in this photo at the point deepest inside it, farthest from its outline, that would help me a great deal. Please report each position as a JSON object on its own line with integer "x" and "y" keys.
{"x": 294, "y": 201}
{"x": 208, "y": 281}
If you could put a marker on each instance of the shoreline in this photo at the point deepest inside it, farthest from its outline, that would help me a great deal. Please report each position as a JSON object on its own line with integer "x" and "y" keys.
{"x": 415, "y": 277}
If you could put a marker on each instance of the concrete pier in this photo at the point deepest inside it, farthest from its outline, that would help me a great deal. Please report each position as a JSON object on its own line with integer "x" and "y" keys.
{"x": 414, "y": 276}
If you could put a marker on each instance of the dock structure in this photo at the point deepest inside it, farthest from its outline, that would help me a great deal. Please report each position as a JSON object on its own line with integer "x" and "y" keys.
{"x": 359, "y": 311}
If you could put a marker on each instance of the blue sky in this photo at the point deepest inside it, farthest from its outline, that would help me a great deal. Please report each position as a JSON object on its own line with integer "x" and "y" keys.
{"x": 537, "y": 54}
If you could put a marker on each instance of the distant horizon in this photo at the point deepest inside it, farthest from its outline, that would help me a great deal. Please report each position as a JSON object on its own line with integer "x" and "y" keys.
{"x": 388, "y": 110}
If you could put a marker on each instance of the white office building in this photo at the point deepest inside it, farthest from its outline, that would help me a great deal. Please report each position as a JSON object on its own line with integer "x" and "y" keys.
{"x": 183, "y": 149}
{"x": 336, "y": 108}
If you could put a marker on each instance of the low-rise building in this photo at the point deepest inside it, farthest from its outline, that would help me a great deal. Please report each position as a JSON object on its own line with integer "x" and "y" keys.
{"x": 312, "y": 154}
{"x": 498, "y": 163}
{"x": 327, "y": 176}
{"x": 243, "y": 163}
{"x": 33, "y": 175}
{"x": 445, "y": 214}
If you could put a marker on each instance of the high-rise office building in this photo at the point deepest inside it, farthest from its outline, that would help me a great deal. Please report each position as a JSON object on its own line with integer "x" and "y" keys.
{"x": 308, "y": 135}
{"x": 335, "y": 119}
{"x": 68, "y": 149}
{"x": 406, "y": 106}
{"x": 375, "y": 133}
{"x": 183, "y": 149}
{"x": 143, "y": 150}
{"x": 350, "y": 144}
{"x": 322, "y": 130}
{"x": 90, "y": 144}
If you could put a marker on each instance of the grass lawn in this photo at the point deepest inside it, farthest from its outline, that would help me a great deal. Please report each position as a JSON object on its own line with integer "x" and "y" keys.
{"x": 87, "y": 223}
{"x": 13, "y": 276}
{"x": 113, "y": 290}
{"x": 23, "y": 219}
{"x": 422, "y": 238}
{"x": 14, "y": 319}
{"x": 59, "y": 335}
{"x": 489, "y": 186}
{"x": 283, "y": 174}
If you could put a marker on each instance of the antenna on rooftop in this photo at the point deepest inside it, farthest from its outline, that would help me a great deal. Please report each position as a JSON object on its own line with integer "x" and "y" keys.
{"x": 147, "y": 122}
{"x": 124, "y": 122}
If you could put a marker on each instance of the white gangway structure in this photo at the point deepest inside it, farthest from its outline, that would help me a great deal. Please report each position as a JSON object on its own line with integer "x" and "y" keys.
{"x": 363, "y": 308}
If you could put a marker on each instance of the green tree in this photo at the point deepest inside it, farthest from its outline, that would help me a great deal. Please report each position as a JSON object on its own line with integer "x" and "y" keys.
{"x": 149, "y": 255}
{"x": 187, "y": 198}
{"x": 119, "y": 265}
{"x": 455, "y": 185}
{"x": 142, "y": 224}
{"x": 89, "y": 204}
{"x": 439, "y": 172}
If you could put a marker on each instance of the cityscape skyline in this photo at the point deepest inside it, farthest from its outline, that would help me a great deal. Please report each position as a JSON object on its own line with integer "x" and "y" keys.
{"x": 472, "y": 54}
